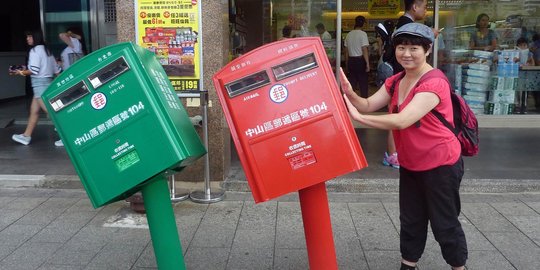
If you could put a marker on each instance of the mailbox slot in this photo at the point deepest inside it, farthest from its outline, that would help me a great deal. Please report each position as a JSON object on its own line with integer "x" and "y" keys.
{"x": 69, "y": 96}
{"x": 108, "y": 72}
{"x": 248, "y": 83}
{"x": 295, "y": 66}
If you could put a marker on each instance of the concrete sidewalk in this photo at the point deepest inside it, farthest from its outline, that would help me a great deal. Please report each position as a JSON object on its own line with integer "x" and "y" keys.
{"x": 59, "y": 229}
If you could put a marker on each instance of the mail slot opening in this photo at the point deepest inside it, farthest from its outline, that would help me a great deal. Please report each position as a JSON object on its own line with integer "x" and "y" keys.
{"x": 248, "y": 83}
{"x": 69, "y": 96}
{"x": 295, "y": 66}
{"x": 108, "y": 72}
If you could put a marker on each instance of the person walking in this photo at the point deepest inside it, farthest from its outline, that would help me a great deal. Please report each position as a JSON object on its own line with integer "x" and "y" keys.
{"x": 74, "y": 47}
{"x": 431, "y": 166}
{"x": 323, "y": 34}
{"x": 41, "y": 68}
{"x": 358, "y": 56}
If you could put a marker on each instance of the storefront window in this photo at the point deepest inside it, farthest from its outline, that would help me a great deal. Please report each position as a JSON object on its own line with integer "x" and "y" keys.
{"x": 495, "y": 78}
{"x": 481, "y": 57}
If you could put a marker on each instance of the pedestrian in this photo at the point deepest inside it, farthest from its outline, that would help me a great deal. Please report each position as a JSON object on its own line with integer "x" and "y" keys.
{"x": 41, "y": 68}
{"x": 323, "y": 34}
{"x": 483, "y": 38}
{"x": 74, "y": 47}
{"x": 357, "y": 52}
{"x": 431, "y": 166}
{"x": 286, "y": 32}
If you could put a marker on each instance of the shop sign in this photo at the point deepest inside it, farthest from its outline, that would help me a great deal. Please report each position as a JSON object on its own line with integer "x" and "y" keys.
{"x": 383, "y": 7}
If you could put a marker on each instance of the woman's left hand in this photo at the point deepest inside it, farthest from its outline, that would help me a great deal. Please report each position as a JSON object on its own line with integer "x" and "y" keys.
{"x": 353, "y": 112}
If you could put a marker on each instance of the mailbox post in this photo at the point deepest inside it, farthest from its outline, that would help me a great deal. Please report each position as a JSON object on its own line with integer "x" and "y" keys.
{"x": 292, "y": 131}
{"x": 125, "y": 130}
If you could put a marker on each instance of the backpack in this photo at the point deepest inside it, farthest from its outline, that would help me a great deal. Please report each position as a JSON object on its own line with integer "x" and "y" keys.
{"x": 465, "y": 122}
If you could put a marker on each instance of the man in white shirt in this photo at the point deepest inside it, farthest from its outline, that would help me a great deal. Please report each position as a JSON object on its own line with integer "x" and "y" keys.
{"x": 322, "y": 32}
{"x": 358, "y": 57}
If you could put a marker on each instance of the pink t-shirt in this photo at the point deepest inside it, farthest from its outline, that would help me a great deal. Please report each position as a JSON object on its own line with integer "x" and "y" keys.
{"x": 426, "y": 144}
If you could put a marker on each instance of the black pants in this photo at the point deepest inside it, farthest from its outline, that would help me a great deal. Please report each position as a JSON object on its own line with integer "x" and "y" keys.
{"x": 358, "y": 77}
{"x": 432, "y": 196}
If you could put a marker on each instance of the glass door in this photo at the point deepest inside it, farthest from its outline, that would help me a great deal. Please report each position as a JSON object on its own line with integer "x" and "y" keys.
{"x": 58, "y": 16}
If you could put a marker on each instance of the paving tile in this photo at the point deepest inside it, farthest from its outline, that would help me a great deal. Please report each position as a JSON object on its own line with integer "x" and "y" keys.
{"x": 475, "y": 238}
{"x": 262, "y": 238}
{"x": 10, "y": 216}
{"x": 25, "y": 203}
{"x": 340, "y": 217}
{"x": 290, "y": 226}
{"x": 203, "y": 258}
{"x": 51, "y": 266}
{"x": 250, "y": 258}
{"x": 349, "y": 252}
{"x": 486, "y": 218}
{"x": 513, "y": 209}
{"x": 288, "y": 258}
{"x": 529, "y": 225}
{"x": 375, "y": 229}
{"x": 432, "y": 259}
{"x": 67, "y": 255}
{"x": 258, "y": 215}
{"x": 117, "y": 256}
{"x": 16, "y": 235}
{"x": 147, "y": 259}
{"x": 488, "y": 260}
{"x": 383, "y": 259}
{"x": 29, "y": 256}
{"x": 218, "y": 226}
{"x": 517, "y": 248}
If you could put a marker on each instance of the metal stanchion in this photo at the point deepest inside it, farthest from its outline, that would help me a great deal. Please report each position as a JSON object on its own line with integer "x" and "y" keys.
{"x": 206, "y": 195}
{"x": 177, "y": 195}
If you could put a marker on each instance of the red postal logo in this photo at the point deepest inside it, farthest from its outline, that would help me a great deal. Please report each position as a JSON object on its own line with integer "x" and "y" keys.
{"x": 279, "y": 93}
{"x": 98, "y": 101}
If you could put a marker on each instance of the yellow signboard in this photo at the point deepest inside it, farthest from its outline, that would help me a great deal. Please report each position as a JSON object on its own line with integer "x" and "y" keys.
{"x": 383, "y": 7}
{"x": 170, "y": 29}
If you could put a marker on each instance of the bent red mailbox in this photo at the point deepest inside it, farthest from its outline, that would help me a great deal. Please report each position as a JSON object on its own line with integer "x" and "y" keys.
{"x": 287, "y": 117}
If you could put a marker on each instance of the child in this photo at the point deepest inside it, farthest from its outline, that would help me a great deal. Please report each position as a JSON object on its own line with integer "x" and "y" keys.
{"x": 525, "y": 55}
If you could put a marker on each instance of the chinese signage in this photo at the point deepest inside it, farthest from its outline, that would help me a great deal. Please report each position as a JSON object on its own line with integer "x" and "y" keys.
{"x": 170, "y": 29}
{"x": 383, "y": 7}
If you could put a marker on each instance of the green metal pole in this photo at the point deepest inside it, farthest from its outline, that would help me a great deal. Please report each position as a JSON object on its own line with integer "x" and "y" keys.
{"x": 162, "y": 224}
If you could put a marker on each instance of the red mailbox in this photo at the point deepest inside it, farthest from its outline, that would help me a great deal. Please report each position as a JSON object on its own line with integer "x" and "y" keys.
{"x": 287, "y": 117}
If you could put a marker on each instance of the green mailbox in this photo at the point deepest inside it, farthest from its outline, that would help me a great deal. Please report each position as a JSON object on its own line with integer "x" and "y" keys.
{"x": 121, "y": 122}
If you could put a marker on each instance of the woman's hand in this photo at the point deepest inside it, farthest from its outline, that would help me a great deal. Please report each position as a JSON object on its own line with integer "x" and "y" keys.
{"x": 346, "y": 86}
{"x": 353, "y": 112}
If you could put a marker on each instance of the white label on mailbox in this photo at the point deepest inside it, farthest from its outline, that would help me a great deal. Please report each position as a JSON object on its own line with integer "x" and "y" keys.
{"x": 98, "y": 100}
{"x": 279, "y": 93}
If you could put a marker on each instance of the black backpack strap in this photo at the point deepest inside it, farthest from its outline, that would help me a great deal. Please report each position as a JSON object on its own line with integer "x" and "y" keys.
{"x": 393, "y": 86}
{"x": 437, "y": 73}
{"x": 443, "y": 120}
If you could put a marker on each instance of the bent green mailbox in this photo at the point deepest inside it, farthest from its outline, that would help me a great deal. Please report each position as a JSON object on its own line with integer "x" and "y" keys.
{"x": 124, "y": 129}
{"x": 121, "y": 121}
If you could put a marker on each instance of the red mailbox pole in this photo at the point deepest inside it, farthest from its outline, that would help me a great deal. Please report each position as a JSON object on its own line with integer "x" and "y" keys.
{"x": 318, "y": 227}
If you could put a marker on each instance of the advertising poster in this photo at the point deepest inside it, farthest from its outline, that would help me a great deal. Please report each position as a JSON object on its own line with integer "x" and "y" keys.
{"x": 170, "y": 29}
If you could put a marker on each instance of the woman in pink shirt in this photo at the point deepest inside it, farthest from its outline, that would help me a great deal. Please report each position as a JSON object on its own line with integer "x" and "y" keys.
{"x": 431, "y": 167}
